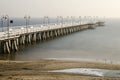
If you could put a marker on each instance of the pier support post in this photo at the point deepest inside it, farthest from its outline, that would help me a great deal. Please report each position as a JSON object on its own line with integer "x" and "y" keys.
{"x": 51, "y": 34}
{"x": 7, "y": 48}
{"x": 38, "y": 37}
{"x": 1, "y": 47}
{"x": 27, "y": 39}
{"x": 14, "y": 46}
{"x": 58, "y": 32}
{"x": 47, "y": 35}
{"x": 55, "y": 32}
{"x": 34, "y": 37}
{"x": 23, "y": 39}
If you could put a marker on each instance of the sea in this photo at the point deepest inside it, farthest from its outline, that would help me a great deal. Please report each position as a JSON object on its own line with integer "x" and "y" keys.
{"x": 100, "y": 44}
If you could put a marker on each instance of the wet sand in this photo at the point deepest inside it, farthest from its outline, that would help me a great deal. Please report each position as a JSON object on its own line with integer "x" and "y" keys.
{"x": 22, "y": 70}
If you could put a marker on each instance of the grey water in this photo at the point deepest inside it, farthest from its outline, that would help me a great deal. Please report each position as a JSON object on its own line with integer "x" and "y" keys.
{"x": 100, "y": 44}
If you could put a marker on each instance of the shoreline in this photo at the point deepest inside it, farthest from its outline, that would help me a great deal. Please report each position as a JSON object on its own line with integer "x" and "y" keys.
{"x": 22, "y": 70}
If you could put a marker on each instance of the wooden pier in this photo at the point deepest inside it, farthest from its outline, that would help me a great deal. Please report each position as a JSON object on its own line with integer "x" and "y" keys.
{"x": 23, "y": 36}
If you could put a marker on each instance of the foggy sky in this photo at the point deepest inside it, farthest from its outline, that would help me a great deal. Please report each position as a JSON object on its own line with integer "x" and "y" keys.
{"x": 39, "y": 8}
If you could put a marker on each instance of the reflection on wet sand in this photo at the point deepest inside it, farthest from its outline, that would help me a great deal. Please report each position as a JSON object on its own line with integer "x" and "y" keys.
{"x": 7, "y": 56}
{"x": 90, "y": 71}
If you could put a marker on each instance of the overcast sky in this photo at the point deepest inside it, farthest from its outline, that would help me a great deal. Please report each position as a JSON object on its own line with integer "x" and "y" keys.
{"x": 39, "y": 8}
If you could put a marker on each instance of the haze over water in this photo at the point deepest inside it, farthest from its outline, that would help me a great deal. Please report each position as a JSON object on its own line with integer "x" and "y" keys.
{"x": 99, "y": 44}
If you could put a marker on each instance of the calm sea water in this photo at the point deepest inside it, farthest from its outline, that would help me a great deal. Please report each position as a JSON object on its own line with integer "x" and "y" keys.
{"x": 100, "y": 44}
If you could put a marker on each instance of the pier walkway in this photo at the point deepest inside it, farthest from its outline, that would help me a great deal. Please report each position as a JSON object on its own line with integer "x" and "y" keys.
{"x": 11, "y": 40}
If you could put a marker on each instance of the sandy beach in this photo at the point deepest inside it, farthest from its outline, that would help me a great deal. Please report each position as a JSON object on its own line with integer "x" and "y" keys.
{"x": 22, "y": 70}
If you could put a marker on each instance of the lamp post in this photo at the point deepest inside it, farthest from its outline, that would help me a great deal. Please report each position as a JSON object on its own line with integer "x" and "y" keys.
{"x": 93, "y": 19}
{"x": 61, "y": 20}
{"x": 89, "y": 19}
{"x": 97, "y": 19}
{"x": 57, "y": 19}
{"x": 72, "y": 19}
{"x": 2, "y": 20}
{"x": 6, "y": 17}
{"x": 80, "y": 20}
{"x": 85, "y": 19}
{"x": 46, "y": 20}
{"x": 27, "y": 19}
{"x": 67, "y": 19}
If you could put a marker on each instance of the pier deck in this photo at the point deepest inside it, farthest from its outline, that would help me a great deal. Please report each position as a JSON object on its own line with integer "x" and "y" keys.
{"x": 24, "y": 35}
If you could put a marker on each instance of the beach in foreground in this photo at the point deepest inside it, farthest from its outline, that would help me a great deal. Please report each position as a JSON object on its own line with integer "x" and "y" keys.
{"x": 29, "y": 70}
